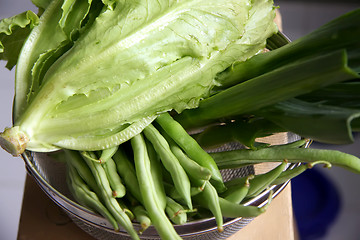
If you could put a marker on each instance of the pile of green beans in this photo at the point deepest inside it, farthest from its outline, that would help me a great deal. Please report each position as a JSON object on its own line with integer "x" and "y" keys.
{"x": 163, "y": 177}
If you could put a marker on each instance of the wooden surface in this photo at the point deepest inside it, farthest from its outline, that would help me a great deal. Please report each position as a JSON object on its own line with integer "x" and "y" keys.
{"x": 42, "y": 219}
{"x": 277, "y": 223}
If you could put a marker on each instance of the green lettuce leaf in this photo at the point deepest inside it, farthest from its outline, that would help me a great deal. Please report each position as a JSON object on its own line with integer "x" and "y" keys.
{"x": 138, "y": 59}
{"x": 109, "y": 3}
{"x": 47, "y": 41}
{"x": 13, "y": 32}
{"x": 340, "y": 33}
{"x": 43, "y": 4}
{"x": 73, "y": 14}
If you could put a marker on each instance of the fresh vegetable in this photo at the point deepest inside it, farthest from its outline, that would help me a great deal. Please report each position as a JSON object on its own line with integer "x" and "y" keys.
{"x": 232, "y": 159}
{"x": 122, "y": 63}
{"x": 13, "y": 32}
{"x": 86, "y": 197}
{"x": 142, "y": 217}
{"x": 266, "y": 84}
{"x": 170, "y": 162}
{"x": 296, "y": 171}
{"x": 127, "y": 172}
{"x": 118, "y": 189}
{"x": 175, "y": 211}
{"x": 271, "y": 88}
{"x": 237, "y": 193}
{"x": 110, "y": 202}
{"x": 149, "y": 191}
{"x": 190, "y": 146}
{"x": 230, "y": 209}
{"x": 209, "y": 199}
{"x": 118, "y": 85}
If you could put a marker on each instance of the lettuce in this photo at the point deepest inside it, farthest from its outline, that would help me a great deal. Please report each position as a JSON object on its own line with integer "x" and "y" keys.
{"x": 42, "y": 4}
{"x": 92, "y": 77}
{"x": 13, "y": 33}
{"x": 46, "y": 42}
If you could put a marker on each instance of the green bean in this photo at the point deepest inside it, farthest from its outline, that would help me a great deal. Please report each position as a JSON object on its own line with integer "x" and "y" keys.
{"x": 142, "y": 217}
{"x": 106, "y": 154}
{"x": 127, "y": 172}
{"x": 156, "y": 172}
{"x": 244, "y": 131}
{"x": 233, "y": 210}
{"x": 238, "y": 192}
{"x": 115, "y": 181}
{"x": 170, "y": 162}
{"x": 232, "y": 159}
{"x": 291, "y": 173}
{"x": 191, "y": 167}
{"x": 209, "y": 199}
{"x": 86, "y": 197}
{"x": 131, "y": 200}
{"x": 166, "y": 176}
{"x": 235, "y": 182}
{"x": 191, "y": 148}
{"x": 75, "y": 160}
{"x": 91, "y": 158}
{"x": 149, "y": 192}
{"x": 171, "y": 191}
{"x": 214, "y": 136}
{"x": 175, "y": 211}
{"x": 199, "y": 184}
{"x": 98, "y": 173}
{"x": 126, "y": 209}
{"x": 106, "y": 195}
{"x": 296, "y": 171}
{"x": 295, "y": 144}
{"x": 262, "y": 181}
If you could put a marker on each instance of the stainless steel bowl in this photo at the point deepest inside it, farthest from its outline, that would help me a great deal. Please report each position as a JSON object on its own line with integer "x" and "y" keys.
{"x": 50, "y": 175}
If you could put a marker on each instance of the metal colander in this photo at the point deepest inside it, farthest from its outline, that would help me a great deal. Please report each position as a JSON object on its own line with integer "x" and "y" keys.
{"x": 50, "y": 175}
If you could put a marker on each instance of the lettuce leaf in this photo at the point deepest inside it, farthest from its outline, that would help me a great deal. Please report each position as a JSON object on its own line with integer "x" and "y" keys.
{"x": 74, "y": 12}
{"x": 46, "y": 40}
{"x": 43, "y": 4}
{"x": 136, "y": 60}
{"x": 13, "y": 33}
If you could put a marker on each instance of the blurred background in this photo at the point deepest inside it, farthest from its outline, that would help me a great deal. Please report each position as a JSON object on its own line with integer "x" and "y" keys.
{"x": 332, "y": 199}
{"x": 325, "y": 201}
